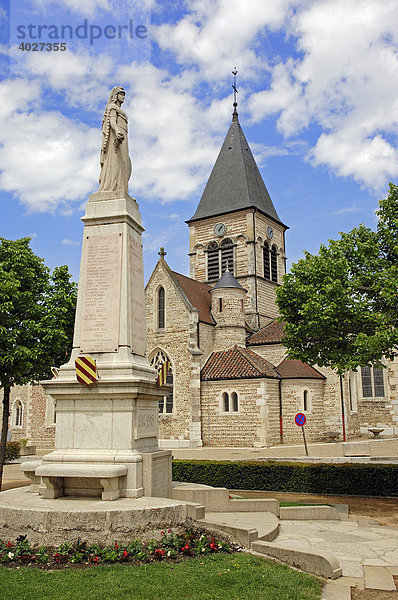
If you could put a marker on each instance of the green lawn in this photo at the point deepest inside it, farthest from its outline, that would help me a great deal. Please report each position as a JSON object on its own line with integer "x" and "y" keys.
{"x": 237, "y": 576}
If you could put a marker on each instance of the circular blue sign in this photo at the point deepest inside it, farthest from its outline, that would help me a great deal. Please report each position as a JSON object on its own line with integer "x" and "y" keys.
{"x": 300, "y": 419}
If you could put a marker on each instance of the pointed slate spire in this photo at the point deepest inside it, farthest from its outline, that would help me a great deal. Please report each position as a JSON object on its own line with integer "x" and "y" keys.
{"x": 235, "y": 182}
{"x": 227, "y": 280}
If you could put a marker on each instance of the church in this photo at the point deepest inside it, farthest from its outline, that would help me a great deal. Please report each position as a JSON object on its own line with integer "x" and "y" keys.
{"x": 231, "y": 380}
{"x": 215, "y": 339}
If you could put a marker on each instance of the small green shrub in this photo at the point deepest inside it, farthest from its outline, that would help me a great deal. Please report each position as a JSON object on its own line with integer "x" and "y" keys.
{"x": 347, "y": 479}
{"x": 13, "y": 450}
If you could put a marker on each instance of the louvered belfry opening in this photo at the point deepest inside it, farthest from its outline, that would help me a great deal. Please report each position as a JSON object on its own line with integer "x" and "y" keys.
{"x": 213, "y": 262}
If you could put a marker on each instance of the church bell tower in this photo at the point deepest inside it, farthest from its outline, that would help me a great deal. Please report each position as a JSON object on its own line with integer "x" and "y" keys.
{"x": 236, "y": 228}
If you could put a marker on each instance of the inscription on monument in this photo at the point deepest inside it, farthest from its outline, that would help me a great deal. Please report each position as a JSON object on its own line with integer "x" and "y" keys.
{"x": 146, "y": 423}
{"x": 138, "y": 330}
{"x": 101, "y": 293}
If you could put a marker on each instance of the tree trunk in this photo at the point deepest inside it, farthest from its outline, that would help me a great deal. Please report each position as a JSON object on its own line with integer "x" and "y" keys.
{"x": 4, "y": 429}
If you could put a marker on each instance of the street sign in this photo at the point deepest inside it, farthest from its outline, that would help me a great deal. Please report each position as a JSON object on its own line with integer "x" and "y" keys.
{"x": 86, "y": 369}
{"x": 300, "y": 419}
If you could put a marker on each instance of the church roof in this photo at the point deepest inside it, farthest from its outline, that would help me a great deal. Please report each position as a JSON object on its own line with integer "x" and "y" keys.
{"x": 270, "y": 334}
{"x": 198, "y": 295}
{"x": 227, "y": 280}
{"x": 235, "y": 182}
{"x": 237, "y": 363}
{"x": 291, "y": 368}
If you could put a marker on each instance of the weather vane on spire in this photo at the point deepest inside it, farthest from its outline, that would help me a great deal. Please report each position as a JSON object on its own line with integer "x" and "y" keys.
{"x": 235, "y": 104}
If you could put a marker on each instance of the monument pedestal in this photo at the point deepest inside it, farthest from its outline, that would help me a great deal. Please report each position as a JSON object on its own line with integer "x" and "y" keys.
{"x": 112, "y": 422}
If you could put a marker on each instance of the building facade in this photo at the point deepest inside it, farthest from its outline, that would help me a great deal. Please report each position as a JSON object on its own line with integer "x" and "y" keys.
{"x": 231, "y": 382}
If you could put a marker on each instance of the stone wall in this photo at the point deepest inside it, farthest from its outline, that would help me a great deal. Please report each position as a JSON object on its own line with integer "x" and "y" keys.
{"x": 292, "y": 403}
{"x": 38, "y": 416}
{"x": 249, "y": 426}
{"x": 176, "y": 340}
{"x": 248, "y": 231}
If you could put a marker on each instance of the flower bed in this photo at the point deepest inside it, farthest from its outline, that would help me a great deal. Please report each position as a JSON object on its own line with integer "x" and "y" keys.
{"x": 171, "y": 546}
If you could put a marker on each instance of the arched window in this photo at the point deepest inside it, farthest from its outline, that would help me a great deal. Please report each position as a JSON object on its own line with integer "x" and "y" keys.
{"x": 220, "y": 304}
{"x": 225, "y": 401}
{"x": 213, "y": 262}
{"x": 18, "y": 413}
{"x": 266, "y": 260}
{"x": 166, "y": 403}
{"x": 161, "y": 307}
{"x": 227, "y": 256}
{"x": 274, "y": 264}
{"x": 234, "y": 398}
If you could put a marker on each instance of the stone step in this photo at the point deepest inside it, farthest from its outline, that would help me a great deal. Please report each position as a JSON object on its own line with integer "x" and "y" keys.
{"x": 378, "y": 578}
{"x": 334, "y": 591}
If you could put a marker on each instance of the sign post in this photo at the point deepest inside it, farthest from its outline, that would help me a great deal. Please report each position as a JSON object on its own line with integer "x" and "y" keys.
{"x": 300, "y": 420}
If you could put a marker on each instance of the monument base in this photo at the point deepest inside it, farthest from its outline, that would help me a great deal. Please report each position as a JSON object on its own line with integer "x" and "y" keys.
{"x": 52, "y": 522}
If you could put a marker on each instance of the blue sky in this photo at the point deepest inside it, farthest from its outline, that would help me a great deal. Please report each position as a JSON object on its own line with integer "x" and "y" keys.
{"x": 317, "y": 82}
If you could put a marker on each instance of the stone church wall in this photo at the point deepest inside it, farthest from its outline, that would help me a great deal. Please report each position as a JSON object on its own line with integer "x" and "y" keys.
{"x": 292, "y": 403}
{"x": 174, "y": 341}
{"x": 245, "y": 428}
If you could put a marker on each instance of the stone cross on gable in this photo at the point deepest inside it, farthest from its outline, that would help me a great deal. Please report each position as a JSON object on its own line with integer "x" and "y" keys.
{"x": 162, "y": 253}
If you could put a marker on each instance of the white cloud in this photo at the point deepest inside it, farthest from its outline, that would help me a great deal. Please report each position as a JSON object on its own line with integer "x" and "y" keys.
{"x": 46, "y": 159}
{"x": 345, "y": 83}
{"x": 87, "y": 7}
{"x": 216, "y": 34}
{"x": 68, "y": 242}
{"x": 347, "y": 210}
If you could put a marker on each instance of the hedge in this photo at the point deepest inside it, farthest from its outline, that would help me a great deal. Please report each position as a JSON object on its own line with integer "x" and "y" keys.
{"x": 13, "y": 450}
{"x": 352, "y": 479}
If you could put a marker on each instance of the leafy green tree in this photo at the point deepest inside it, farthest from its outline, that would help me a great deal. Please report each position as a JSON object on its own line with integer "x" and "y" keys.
{"x": 340, "y": 307}
{"x": 36, "y": 321}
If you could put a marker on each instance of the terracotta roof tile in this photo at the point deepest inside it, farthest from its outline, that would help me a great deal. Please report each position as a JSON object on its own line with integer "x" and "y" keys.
{"x": 198, "y": 295}
{"x": 237, "y": 363}
{"x": 270, "y": 334}
{"x": 291, "y": 368}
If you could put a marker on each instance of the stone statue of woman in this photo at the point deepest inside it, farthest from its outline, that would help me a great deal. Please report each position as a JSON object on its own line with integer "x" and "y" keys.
{"x": 115, "y": 161}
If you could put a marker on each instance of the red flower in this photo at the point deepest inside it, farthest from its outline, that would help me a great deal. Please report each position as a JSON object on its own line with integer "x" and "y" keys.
{"x": 116, "y": 546}
{"x": 213, "y": 546}
{"x": 125, "y": 553}
{"x": 9, "y": 545}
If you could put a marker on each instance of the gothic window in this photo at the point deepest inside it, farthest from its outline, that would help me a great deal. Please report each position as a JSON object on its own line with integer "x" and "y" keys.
{"x": 225, "y": 402}
{"x": 274, "y": 264}
{"x": 213, "y": 262}
{"x": 161, "y": 307}
{"x": 220, "y": 304}
{"x": 234, "y": 397}
{"x": 372, "y": 382}
{"x": 18, "y": 413}
{"x": 266, "y": 260}
{"x": 165, "y": 403}
{"x": 227, "y": 256}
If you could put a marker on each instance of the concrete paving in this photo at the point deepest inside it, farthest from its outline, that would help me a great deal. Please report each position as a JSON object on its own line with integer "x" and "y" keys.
{"x": 367, "y": 553}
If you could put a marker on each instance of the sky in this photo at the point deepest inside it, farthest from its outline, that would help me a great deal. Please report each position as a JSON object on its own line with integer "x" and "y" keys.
{"x": 317, "y": 99}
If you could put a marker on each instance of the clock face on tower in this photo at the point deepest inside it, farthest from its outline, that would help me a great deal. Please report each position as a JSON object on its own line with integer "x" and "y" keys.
{"x": 219, "y": 229}
{"x": 270, "y": 232}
